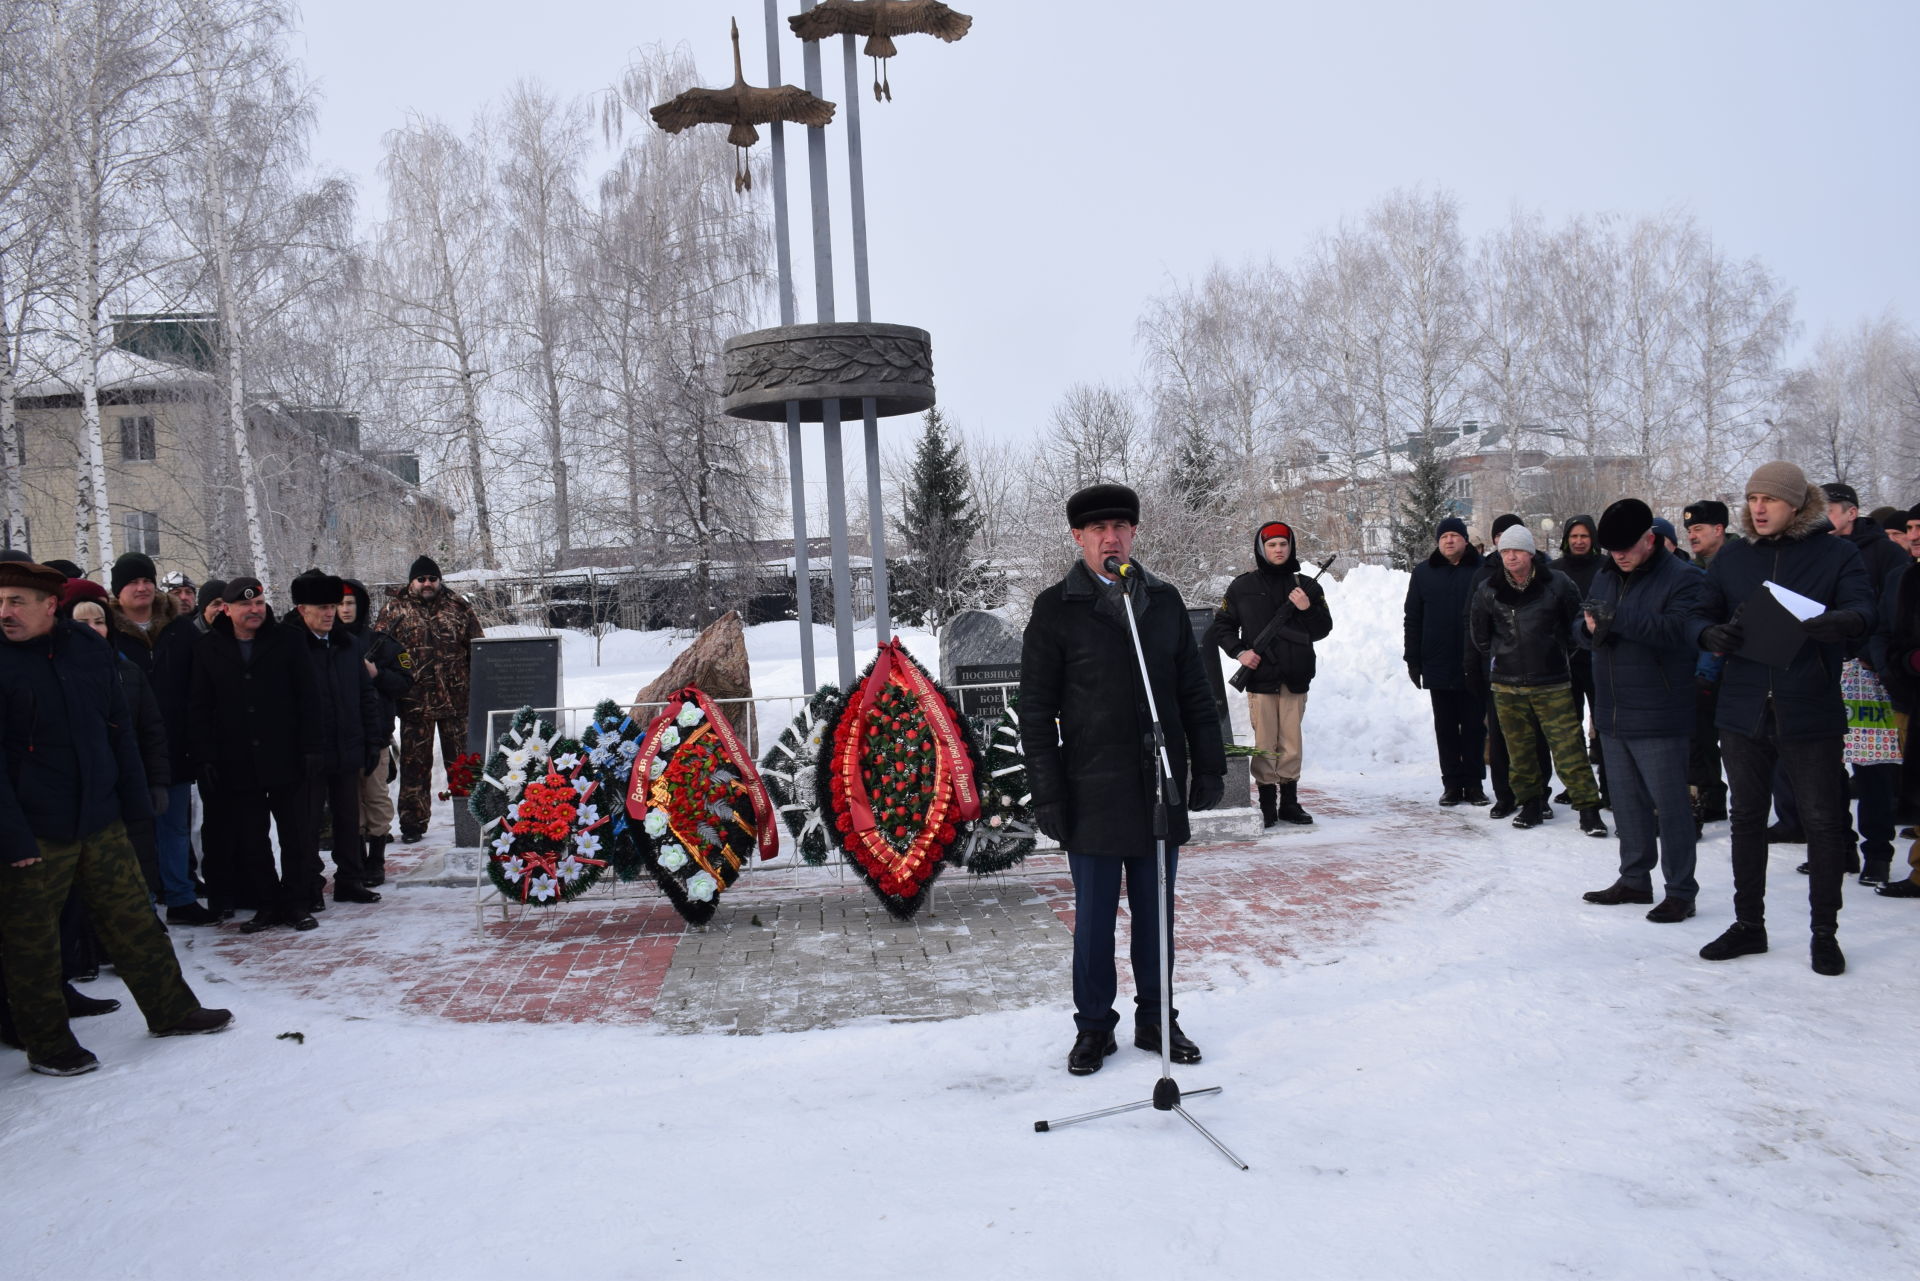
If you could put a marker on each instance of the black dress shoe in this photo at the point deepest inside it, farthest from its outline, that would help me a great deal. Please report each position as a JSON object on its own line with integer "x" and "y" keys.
{"x": 200, "y": 1022}
{"x": 1671, "y": 911}
{"x": 1504, "y": 809}
{"x": 1475, "y": 795}
{"x": 191, "y": 914}
{"x": 1453, "y": 796}
{"x": 304, "y": 923}
{"x": 1899, "y": 889}
{"x": 80, "y": 1005}
{"x": 1740, "y": 939}
{"x": 348, "y": 892}
{"x": 1616, "y": 894}
{"x": 260, "y": 921}
{"x": 1146, "y": 1036}
{"x": 1826, "y": 955}
{"x": 1089, "y": 1052}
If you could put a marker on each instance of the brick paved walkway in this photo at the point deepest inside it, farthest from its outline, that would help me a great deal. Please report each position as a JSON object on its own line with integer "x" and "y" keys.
{"x": 801, "y": 948}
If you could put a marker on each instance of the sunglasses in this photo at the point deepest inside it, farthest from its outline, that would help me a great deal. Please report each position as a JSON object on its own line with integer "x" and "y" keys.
{"x": 427, "y": 578}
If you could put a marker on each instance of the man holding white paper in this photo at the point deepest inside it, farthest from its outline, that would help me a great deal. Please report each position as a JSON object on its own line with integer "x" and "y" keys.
{"x": 1781, "y": 703}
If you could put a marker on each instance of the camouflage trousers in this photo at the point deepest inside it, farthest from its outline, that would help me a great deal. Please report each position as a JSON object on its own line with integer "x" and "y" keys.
{"x": 1530, "y": 713}
{"x": 416, "y": 765}
{"x": 103, "y": 868}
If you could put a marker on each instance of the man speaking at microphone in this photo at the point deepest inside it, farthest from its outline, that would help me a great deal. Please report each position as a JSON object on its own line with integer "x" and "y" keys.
{"x": 1087, "y": 735}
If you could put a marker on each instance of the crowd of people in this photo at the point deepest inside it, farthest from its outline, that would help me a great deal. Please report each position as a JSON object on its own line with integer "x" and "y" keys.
{"x": 122, "y": 705}
{"x": 1662, "y": 683}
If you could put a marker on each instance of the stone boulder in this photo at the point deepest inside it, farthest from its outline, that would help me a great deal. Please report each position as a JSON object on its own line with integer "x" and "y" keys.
{"x": 717, "y": 663}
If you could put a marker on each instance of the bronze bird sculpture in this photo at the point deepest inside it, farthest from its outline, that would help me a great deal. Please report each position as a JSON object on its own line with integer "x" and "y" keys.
{"x": 879, "y": 21}
{"x": 742, "y": 107}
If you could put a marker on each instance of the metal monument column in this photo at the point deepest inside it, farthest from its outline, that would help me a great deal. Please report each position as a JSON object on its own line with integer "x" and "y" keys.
{"x": 796, "y": 463}
{"x": 829, "y": 406}
{"x": 857, "y": 202}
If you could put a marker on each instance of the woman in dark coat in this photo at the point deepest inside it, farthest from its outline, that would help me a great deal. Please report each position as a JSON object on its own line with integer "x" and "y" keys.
{"x": 1282, "y": 670}
{"x": 381, "y": 654}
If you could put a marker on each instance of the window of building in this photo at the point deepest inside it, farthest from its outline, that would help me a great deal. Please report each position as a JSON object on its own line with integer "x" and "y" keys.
{"x": 143, "y": 532}
{"x": 136, "y": 439}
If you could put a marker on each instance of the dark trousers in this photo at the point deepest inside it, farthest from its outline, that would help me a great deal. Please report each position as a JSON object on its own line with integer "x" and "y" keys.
{"x": 1652, "y": 812}
{"x": 1819, "y": 782}
{"x": 1096, "y": 904}
{"x": 1502, "y": 765}
{"x": 1460, "y": 732}
{"x": 1878, "y": 788}
{"x": 219, "y": 863}
{"x": 1580, "y": 668}
{"x": 102, "y": 868}
{"x": 246, "y": 812}
{"x": 416, "y": 765}
{"x": 337, "y": 792}
{"x": 1703, "y": 760}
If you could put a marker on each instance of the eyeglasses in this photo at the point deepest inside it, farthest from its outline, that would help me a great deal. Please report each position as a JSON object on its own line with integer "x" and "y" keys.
{"x": 427, "y": 578}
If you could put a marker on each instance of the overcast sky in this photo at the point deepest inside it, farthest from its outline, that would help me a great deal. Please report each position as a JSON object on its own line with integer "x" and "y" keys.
{"x": 1032, "y": 185}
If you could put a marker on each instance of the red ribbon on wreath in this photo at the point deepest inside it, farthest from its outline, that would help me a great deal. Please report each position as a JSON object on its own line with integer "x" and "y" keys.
{"x": 766, "y": 835}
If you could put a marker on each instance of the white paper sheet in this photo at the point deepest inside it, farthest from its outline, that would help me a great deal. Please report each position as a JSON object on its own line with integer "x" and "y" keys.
{"x": 1801, "y": 607}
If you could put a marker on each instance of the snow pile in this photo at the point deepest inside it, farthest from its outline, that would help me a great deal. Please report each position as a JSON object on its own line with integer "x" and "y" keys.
{"x": 1363, "y": 713}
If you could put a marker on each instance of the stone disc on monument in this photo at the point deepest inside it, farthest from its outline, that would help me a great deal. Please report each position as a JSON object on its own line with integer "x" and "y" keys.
{"x": 717, "y": 663}
{"x": 811, "y": 364}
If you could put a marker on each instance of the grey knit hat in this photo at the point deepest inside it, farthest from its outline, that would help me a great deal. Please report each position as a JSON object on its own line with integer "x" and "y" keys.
{"x": 1517, "y": 538}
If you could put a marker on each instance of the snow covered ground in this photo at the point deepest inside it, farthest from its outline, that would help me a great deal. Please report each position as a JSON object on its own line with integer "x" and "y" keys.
{"x": 1493, "y": 1079}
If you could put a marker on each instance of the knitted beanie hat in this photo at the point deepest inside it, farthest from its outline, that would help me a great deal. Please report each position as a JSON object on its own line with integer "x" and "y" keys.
{"x": 1782, "y": 480}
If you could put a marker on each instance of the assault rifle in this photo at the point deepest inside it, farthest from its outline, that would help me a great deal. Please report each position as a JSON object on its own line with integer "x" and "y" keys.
{"x": 1276, "y": 627}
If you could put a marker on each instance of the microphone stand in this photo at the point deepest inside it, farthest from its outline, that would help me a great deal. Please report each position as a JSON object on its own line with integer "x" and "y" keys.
{"x": 1167, "y": 1095}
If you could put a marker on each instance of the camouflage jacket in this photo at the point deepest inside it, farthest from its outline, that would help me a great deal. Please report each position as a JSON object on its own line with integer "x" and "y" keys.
{"x": 433, "y": 638}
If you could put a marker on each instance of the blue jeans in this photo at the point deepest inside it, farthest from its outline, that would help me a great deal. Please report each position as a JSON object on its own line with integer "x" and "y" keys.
{"x": 1648, "y": 778}
{"x": 173, "y": 835}
{"x": 1096, "y": 904}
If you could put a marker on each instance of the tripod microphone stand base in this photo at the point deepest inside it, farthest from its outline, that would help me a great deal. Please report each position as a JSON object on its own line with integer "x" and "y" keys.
{"x": 1167, "y": 1097}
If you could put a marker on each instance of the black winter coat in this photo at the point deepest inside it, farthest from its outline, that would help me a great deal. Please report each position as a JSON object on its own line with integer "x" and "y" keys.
{"x": 1251, "y": 601}
{"x": 1526, "y": 633}
{"x": 1806, "y": 693}
{"x": 72, "y": 763}
{"x": 1644, "y": 657}
{"x": 390, "y": 680}
{"x": 1083, "y": 722}
{"x": 172, "y": 679}
{"x": 254, "y": 722}
{"x": 1881, "y": 555}
{"x": 149, "y": 728}
{"x": 348, "y": 707}
{"x": 1436, "y": 618}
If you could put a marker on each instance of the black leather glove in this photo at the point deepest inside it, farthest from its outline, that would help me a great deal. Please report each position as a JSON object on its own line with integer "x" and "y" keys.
{"x": 1723, "y": 638}
{"x": 209, "y": 776}
{"x": 1051, "y": 819}
{"x": 316, "y": 764}
{"x": 1602, "y": 612}
{"x": 1834, "y": 626}
{"x": 1413, "y": 674}
{"x": 372, "y": 763}
{"x": 1205, "y": 791}
{"x": 158, "y": 796}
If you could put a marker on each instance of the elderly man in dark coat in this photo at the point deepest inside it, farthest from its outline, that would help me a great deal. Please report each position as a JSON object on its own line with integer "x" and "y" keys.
{"x": 350, "y": 730}
{"x": 1641, "y": 621}
{"x": 72, "y": 778}
{"x": 256, "y": 735}
{"x": 1435, "y": 651}
{"x": 1085, "y": 729}
{"x": 1790, "y": 715}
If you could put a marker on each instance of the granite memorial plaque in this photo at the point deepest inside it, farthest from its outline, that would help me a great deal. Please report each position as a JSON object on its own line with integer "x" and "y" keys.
{"x": 978, "y": 648}
{"x": 509, "y": 672}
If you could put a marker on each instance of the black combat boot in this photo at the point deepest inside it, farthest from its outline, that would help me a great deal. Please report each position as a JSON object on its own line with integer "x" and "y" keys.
{"x": 376, "y": 861}
{"x": 1290, "y": 811}
{"x": 1269, "y": 804}
{"x": 1532, "y": 813}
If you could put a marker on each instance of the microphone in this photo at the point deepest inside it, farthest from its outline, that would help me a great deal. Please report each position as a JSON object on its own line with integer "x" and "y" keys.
{"x": 1119, "y": 568}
